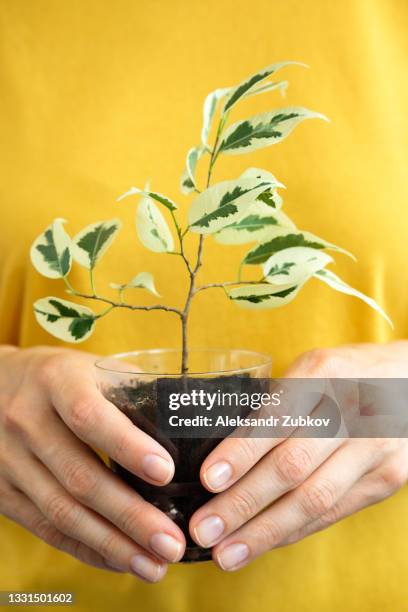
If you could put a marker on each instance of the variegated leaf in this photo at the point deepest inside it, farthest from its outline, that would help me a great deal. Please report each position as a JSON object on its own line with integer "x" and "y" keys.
{"x": 264, "y": 130}
{"x": 338, "y": 284}
{"x": 255, "y": 225}
{"x": 294, "y": 265}
{"x": 188, "y": 181}
{"x": 51, "y": 251}
{"x": 252, "y": 81}
{"x": 152, "y": 228}
{"x": 143, "y": 280}
{"x": 262, "y": 296}
{"x": 262, "y": 175}
{"x": 210, "y": 106}
{"x": 158, "y": 197}
{"x": 282, "y": 239}
{"x": 223, "y": 204}
{"x": 64, "y": 320}
{"x": 90, "y": 244}
{"x": 281, "y": 86}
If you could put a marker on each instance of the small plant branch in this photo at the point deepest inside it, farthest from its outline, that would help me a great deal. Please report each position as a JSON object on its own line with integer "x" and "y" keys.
{"x": 114, "y": 304}
{"x": 229, "y": 284}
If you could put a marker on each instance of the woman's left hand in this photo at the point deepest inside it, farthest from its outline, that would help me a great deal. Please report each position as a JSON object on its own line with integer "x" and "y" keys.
{"x": 275, "y": 492}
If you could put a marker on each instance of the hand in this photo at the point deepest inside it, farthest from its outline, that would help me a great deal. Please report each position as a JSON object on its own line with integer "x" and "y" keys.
{"x": 276, "y": 492}
{"x": 54, "y": 485}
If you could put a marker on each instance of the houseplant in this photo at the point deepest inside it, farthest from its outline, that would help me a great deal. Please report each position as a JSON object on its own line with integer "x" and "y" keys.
{"x": 247, "y": 209}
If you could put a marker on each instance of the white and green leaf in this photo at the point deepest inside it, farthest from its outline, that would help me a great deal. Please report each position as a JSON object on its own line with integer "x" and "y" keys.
{"x": 209, "y": 108}
{"x": 281, "y": 86}
{"x": 64, "y": 320}
{"x": 188, "y": 180}
{"x": 255, "y": 225}
{"x": 264, "y": 129}
{"x": 91, "y": 243}
{"x": 158, "y": 197}
{"x": 143, "y": 280}
{"x": 281, "y": 239}
{"x": 152, "y": 228}
{"x": 294, "y": 265}
{"x": 262, "y": 296}
{"x": 333, "y": 281}
{"x": 51, "y": 252}
{"x": 224, "y": 203}
{"x": 252, "y": 82}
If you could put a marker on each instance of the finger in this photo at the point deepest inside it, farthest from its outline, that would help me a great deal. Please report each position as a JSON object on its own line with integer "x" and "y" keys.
{"x": 87, "y": 479}
{"x": 283, "y": 469}
{"x": 235, "y": 456}
{"x": 305, "y": 504}
{"x": 99, "y": 423}
{"x": 81, "y": 523}
{"x": 20, "y": 509}
{"x": 371, "y": 489}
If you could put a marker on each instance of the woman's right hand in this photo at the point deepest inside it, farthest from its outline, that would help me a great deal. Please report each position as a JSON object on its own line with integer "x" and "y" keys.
{"x": 57, "y": 487}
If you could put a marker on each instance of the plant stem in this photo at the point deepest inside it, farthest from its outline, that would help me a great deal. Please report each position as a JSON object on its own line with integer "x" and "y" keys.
{"x": 193, "y": 271}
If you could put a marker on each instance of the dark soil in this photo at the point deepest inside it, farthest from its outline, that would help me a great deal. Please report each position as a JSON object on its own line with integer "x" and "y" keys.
{"x": 185, "y": 494}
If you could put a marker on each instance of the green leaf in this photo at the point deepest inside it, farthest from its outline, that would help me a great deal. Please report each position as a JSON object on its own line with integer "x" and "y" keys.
{"x": 282, "y": 239}
{"x": 262, "y": 296}
{"x": 64, "y": 320}
{"x": 210, "y": 106}
{"x": 51, "y": 251}
{"x": 188, "y": 181}
{"x": 224, "y": 203}
{"x": 165, "y": 201}
{"x": 152, "y": 228}
{"x": 294, "y": 265}
{"x": 255, "y": 225}
{"x": 264, "y": 130}
{"x": 90, "y": 244}
{"x": 252, "y": 81}
{"x": 338, "y": 284}
{"x": 143, "y": 280}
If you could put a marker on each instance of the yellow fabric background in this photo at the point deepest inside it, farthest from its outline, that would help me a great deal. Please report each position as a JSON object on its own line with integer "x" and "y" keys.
{"x": 97, "y": 96}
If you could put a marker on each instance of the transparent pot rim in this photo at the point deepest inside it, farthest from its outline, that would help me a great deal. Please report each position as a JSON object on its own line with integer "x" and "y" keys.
{"x": 263, "y": 361}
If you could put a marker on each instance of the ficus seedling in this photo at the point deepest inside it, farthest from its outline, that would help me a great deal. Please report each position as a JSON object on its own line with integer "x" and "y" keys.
{"x": 243, "y": 210}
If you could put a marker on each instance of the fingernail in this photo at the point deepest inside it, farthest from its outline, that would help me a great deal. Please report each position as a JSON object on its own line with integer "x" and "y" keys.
{"x": 157, "y": 468}
{"x": 232, "y": 556}
{"x": 209, "y": 530}
{"x": 166, "y": 546}
{"x": 218, "y": 475}
{"x": 146, "y": 568}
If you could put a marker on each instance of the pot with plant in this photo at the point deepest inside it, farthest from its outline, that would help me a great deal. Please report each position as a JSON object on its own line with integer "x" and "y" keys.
{"x": 281, "y": 258}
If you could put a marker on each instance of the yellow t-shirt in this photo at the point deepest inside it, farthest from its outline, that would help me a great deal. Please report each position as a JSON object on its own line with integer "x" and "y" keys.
{"x": 98, "y": 96}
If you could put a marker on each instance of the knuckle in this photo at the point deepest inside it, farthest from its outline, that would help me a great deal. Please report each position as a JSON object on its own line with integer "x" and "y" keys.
{"x": 131, "y": 519}
{"x": 62, "y": 512}
{"x": 82, "y": 416}
{"x": 293, "y": 464}
{"x": 393, "y": 477}
{"x": 331, "y": 517}
{"x": 45, "y": 530}
{"x": 323, "y": 361}
{"x": 318, "y": 499}
{"x": 270, "y": 532}
{"x": 49, "y": 370}
{"x": 13, "y": 422}
{"x": 79, "y": 479}
{"x": 249, "y": 451}
{"x": 244, "y": 503}
{"x": 108, "y": 545}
